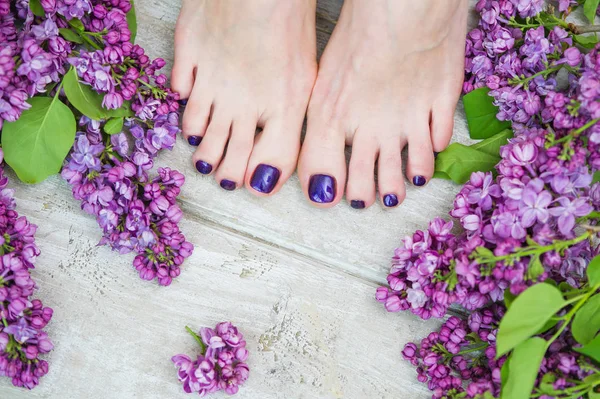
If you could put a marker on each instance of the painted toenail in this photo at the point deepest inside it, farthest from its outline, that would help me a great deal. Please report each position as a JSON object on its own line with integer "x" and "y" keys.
{"x": 357, "y": 204}
{"x": 183, "y": 102}
{"x": 228, "y": 185}
{"x": 195, "y": 140}
{"x": 203, "y": 167}
{"x": 390, "y": 200}
{"x": 419, "y": 181}
{"x": 265, "y": 178}
{"x": 321, "y": 189}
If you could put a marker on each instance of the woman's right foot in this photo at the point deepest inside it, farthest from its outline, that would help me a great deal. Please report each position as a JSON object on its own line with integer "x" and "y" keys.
{"x": 244, "y": 65}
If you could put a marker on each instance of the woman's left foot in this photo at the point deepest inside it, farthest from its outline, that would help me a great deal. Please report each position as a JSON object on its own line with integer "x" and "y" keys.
{"x": 391, "y": 75}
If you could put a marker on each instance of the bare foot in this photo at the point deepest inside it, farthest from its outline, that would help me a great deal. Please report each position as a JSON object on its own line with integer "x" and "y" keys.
{"x": 391, "y": 75}
{"x": 245, "y": 65}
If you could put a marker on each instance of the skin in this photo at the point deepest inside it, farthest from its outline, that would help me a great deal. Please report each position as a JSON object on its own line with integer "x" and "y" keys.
{"x": 390, "y": 76}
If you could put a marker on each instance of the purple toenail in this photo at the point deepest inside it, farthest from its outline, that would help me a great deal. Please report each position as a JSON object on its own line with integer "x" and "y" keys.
{"x": 203, "y": 167}
{"x": 265, "y": 178}
{"x": 228, "y": 185}
{"x": 194, "y": 140}
{"x": 390, "y": 200}
{"x": 183, "y": 102}
{"x": 321, "y": 189}
{"x": 419, "y": 181}
{"x": 357, "y": 204}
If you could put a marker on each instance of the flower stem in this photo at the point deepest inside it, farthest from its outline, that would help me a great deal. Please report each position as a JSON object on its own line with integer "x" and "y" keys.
{"x": 579, "y": 29}
{"x": 198, "y": 339}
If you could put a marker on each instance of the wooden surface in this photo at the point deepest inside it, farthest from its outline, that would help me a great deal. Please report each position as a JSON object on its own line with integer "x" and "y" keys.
{"x": 298, "y": 281}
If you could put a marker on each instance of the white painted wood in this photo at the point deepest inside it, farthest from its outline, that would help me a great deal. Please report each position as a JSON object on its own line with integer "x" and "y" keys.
{"x": 298, "y": 281}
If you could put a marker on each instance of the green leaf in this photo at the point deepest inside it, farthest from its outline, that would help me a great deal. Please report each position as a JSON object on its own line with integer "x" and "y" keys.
{"x": 71, "y": 36}
{"x": 36, "y": 8}
{"x": 586, "y": 322}
{"x": 123, "y": 112}
{"x": 591, "y": 349}
{"x": 504, "y": 371}
{"x": 481, "y": 114}
{"x": 113, "y": 126}
{"x": 524, "y": 367}
{"x": 586, "y": 41}
{"x": 596, "y": 178}
{"x": 593, "y": 271}
{"x": 459, "y": 162}
{"x": 83, "y": 97}
{"x": 589, "y": 9}
{"x": 509, "y": 298}
{"x": 529, "y": 313}
{"x": 492, "y": 145}
{"x": 77, "y": 24}
{"x": 593, "y": 395}
{"x": 535, "y": 268}
{"x": 132, "y": 22}
{"x": 36, "y": 145}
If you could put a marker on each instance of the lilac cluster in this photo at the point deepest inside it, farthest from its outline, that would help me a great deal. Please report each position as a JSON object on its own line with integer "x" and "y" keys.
{"x": 31, "y": 58}
{"x": 221, "y": 364}
{"x": 459, "y": 360}
{"x": 22, "y": 318}
{"x": 520, "y": 226}
{"x": 136, "y": 213}
{"x": 108, "y": 174}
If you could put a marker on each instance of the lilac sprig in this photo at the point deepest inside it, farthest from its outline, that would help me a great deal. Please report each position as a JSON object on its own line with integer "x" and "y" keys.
{"x": 220, "y": 365}
{"x": 22, "y": 318}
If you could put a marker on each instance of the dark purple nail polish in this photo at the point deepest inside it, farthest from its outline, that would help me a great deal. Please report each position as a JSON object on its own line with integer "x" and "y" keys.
{"x": 194, "y": 140}
{"x": 183, "y": 102}
{"x": 357, "y": 204}
{"x": 321, "y": 189}
{"x": 228, "y": 185}
{"x": 203, "y": 167}
{"x": 419, "y": 181}
{"x": 390, "y": 200}
{"x": 265, "y": 178}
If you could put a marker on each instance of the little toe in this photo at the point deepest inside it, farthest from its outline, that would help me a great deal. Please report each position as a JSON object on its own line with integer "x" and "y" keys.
{"x": 360, "y": 190}
{"x": 390, "y": 180}
{"x": 442, "y": 124}
{"x": 207, "y": 157}
{"x": 232, "y": 170}
{"x": 322, "y": 165}
{"x": 420, "y": 165}
{"x": 274, "y": 156}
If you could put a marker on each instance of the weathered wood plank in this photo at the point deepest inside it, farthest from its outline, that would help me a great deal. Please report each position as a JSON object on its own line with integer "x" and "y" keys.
{"x": 313, "y": 332}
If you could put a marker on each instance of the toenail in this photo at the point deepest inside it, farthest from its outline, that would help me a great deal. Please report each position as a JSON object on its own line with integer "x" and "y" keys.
{"x": 321, "y": 189}
{"x": 183, "y": 102}
{"x": 357, "y": 204}
{"x": 195, "y": 140}
{"x": 228, "y": 185}
{"x": 265, "y": 178}
{"x": 203, "y": 167}
{"x": 390, "y": 200}
{"x": 419, "y": 181}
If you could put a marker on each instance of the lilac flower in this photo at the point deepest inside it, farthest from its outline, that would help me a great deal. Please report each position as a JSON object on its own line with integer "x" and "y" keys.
{"x": 567, "y": 210}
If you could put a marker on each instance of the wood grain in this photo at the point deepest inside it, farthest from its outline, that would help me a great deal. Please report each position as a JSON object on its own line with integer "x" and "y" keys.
{"x": 298, "y": 281}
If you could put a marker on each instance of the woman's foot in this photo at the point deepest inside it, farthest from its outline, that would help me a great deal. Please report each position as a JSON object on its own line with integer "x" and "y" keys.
{"x": 244, "y": 65}
{"x": 391, "y": 75}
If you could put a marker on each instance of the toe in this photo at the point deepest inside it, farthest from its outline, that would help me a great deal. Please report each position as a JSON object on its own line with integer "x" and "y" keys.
{"x": 274, "y": 156}
{"x": 322, "y": 165}
{"x": 390, "y": 179}
{"x": 196, "y": 116}
{"x": 442, "y": 124}
{"x": 232, "y": 170}
{"x": 360, "y": 191}
{"x": 207, "y": 157}
{"x": 420, "y": 165}
{"x": 184, "y": 66}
